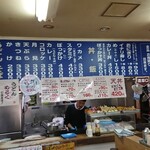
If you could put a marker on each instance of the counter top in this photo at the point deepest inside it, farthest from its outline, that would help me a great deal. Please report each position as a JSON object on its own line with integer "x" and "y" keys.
{"x": 80, "y": 139}
{"x": 129, "y": 143}
{"x": 24, "y": 142}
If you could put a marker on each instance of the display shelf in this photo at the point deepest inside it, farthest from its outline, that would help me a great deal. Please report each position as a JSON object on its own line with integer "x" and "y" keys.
{"x": 110, "y": 120}
{"x": 103, "y": 114}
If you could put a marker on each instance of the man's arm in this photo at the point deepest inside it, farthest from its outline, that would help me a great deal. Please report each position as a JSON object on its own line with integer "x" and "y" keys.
{"x": 67, "y": 118}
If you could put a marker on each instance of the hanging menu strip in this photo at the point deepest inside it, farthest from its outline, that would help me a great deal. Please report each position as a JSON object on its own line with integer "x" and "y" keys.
{"x": 52, "y": 59}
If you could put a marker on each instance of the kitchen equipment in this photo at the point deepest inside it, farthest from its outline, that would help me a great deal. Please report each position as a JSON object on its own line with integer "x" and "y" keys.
{"x": 11, "y": 121}
{"x": 58, "y": 121}
{"x": 56, "y": 127}
{"x": 50, "y": 126}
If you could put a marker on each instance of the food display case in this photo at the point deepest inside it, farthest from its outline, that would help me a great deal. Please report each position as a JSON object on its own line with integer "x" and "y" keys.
{"x": 110, "y": 118}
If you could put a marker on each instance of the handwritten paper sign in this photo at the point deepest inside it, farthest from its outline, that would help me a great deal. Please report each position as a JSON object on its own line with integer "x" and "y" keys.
{"x": 116, "y": 86}
{"x": 100, "y": 87}
{"x": 50, "y": 90}
{"x": 79, "y": 88}
{"x": 9, "y": 92}
{"x": 84, "y": 88}
{"x": 68, "y": 89}
{"x": 35, "y": 147}
{"x": 30, "y": 85}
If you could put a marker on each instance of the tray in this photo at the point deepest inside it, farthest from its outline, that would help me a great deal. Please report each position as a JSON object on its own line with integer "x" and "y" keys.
{"x": 131, "y": 111}
{"x": 68, "y": 135}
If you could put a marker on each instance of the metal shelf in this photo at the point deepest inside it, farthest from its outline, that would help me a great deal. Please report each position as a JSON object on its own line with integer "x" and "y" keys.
{"x": 103, "y": 114}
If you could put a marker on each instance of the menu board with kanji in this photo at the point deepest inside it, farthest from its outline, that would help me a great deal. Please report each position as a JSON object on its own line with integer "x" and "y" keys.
{"x": 84, "y": 88}
{"x": 64, "y": 58}
{"x": 68, "y": 89}
{"x": 80, "y": 88}
{"x": 116, "y": 86}
{"x": 100, "y": 87}
{"x": 50, "y": 90}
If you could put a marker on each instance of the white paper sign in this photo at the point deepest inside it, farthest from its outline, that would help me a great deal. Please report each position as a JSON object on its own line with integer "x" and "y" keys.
{"x": 68, "y": 89}
{"x": 30, "y": 85}
{"x": 9, "y": 92}
{"x": 50, "y": 90}
{"x": 116, "y": 86}
{"x": 100, "y": 87}
{"x": 35, "y": 147}
{"x": 84, "y": 88}
{"x": 79, "y": 88}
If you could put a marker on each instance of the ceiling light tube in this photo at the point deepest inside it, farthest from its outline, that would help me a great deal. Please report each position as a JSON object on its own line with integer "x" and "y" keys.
{"x": 52, "y": 11}
{"x": 41, "y": 8}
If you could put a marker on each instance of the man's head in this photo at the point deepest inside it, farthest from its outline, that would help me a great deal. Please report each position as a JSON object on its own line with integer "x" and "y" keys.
{"x": 80, "y": 104}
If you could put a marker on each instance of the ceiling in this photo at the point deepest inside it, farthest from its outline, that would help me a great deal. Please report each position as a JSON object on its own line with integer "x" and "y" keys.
{"x": 78, "y": 19}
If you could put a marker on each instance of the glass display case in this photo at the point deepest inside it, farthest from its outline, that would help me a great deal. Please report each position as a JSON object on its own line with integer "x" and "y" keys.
{"x": 108, "y": 121}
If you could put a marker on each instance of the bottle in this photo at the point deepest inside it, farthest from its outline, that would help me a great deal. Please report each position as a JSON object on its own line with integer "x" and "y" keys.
{"x": 89, "y": 132}
{"x": 148, "y": 138}
{"x": 145, "y": 133}
{"x": 97, "y": 130}
{"x": 93, "y": 128}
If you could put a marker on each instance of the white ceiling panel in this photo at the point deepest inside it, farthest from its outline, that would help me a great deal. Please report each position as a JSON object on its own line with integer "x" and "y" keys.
{"x": 77, "y": 19}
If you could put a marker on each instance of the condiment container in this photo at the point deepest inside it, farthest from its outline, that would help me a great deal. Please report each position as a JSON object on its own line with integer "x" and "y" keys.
{"x": 93, "y": 128}
{"x": 88, "y": 125}
{"x": 89, "y": 132}
{"x": 146, "y": 131}
{"x": 97, "y": 130}
{"x": 148, "y": 139}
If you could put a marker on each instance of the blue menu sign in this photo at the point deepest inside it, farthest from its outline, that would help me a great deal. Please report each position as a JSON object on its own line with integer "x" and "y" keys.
{"x": 48, "y": 59}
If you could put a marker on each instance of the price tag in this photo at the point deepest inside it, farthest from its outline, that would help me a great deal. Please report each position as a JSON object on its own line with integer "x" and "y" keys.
{"x": 142, "y": 80}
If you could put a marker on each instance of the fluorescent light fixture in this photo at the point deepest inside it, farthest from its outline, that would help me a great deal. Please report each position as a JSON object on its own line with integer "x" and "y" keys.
{"x": 46, "y": 9}
{"x": 41, "y": 8}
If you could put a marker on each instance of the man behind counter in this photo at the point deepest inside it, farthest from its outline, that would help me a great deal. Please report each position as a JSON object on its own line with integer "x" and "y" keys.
{"x": 75, "y": 116}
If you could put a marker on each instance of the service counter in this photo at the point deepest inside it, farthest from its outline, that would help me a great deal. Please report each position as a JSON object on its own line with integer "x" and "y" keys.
{"x": 80, "y": 139}
{"x": 129, "y": 143}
